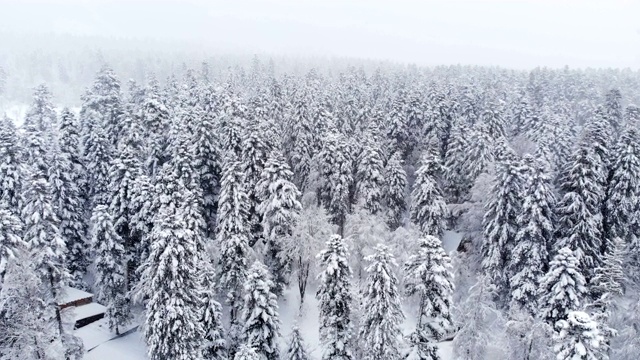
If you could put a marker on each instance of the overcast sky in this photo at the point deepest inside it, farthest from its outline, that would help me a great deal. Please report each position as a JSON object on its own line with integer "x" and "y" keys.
{"x": 511, "y": 33}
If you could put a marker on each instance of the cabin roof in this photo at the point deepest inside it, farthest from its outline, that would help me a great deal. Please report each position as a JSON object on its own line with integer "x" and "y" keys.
{"x": 88, "y": 310}
{"x": 73, "y": 294}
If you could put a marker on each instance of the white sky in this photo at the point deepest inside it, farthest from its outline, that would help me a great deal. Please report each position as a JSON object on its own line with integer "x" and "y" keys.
{"x": 515, "y": 33}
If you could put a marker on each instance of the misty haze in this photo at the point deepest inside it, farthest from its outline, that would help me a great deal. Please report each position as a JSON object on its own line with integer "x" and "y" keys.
{"x": 319, "y": 180}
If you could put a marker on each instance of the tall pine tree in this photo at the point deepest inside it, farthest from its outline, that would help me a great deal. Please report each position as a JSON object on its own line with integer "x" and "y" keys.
{"x": 260, "y": 313}
{"x": 395, "y": 192}
{"x": 68, "y": 182}
{"x": 10, "y": 160}
{"x": 428, "y": 209}
{"x": 336, "y": 167}
{"x": 296, "y": 349}
{"x": 171, "y": 282}
{"x": 370, "y": 175}
{"x": 10, "y": 238}
{"x": 334, "y": 297}
{"x": 563, "y": 288}
{"x": 380, "y": 329}
{"x": 110, "y": 269}
{"x": 280, "y": 209}
{"x": 429, "y": 277}
{"x": 500, "y": 223}
{"x": 233, "y": 239}
{"x": 530, "y": 256}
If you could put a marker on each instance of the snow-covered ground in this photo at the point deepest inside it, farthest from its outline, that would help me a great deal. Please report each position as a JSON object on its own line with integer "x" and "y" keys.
{"x": 102, "y": 344}
{"x": 451, "y": 240}
{"x": 128, "y": 347}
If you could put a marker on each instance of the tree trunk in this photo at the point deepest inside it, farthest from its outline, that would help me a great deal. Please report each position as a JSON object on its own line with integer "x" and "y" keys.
{"x": 303, "y": 277}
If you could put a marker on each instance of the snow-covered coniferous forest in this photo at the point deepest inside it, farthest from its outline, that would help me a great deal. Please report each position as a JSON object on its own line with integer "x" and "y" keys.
{"x": 283, "y": 209}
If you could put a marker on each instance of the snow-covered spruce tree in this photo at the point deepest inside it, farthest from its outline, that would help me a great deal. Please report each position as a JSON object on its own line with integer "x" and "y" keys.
{"x": 563, "y": 287}
{"x": 579, "y": 225}
{"x": 492, "y": 120}
{"x": 41, "y": 114}
{"x": 334, "y": 297}
{"x": 233, "y": 239}
{"x": 610, "y": 278}
{"x": 181, "y": 145}
{"x": 260, "y": 313}
{"x": 623, "y": 191}
{"x": 42, "y": 235}
{"x": 109, "y": 250}
{"x": 279, "y": 208}
{"x": 254, "y": 156}
{"x": 170, "y": 280}
{"x": 323, "y": 121}
{"x": 336, "y": 171}
{"x": 613, "y": 109}
{"x": 126, "y": 167}
{"x": 555, "y": 138}
{"x": 296, "y": 349}
{"x": 98, "y": 155}
{"x": 155, "y": 121}
{"x": 26, "y": 329}
{"x": 522, "y": 115}
{"x": 606, "y": 288}
{"x": 397, "y": 127}
{"x": 10, "y": 160}
{"x": 207, "y": 162}
{"x": 428, "y": 209}
{"x": 135, "y": 96}
{"x": 305, "y": 243}
{"x": 598, "y": 134}
{"x": 428, "y": 277}
{"x": 70, "y": 202}
{"x": 68, "y": 206}
{"x": 10, "y": 238}
{"x": 529, "y": 258}
{"x": 300, "y": 144}
{"x": 500, "y": 223}
{"x": 102, "y": 108}
{"x": 246, "y": 352}
{"x": 170, "y": 92}
{"x": 35, "y": 151}
{"x": 439, "y": 117}
{"x": 483, "y": 324}
{"x": 457, "y": 182}
{"x": 380, "y": 329}
{"x": 145, "y": 201}
{"x": 578, "y": 338}
{"x": 395, "y": 191}
{"x": 215, "y": 346}
{"x": 479, "y": 155}
{"x": 370, "y": 180}
{"x": 232, "y": 127}
{"x": 363, "y": 231}
{"x": 632, "y": 115}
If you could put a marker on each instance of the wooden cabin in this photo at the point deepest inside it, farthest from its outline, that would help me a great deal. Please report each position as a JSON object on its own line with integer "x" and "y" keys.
{"x": 85, "y": 310}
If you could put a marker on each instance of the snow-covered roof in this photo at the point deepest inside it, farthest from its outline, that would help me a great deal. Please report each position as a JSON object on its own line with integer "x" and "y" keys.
{"x": 88, "y": 310}
{"x": 72, "y": 294}
{"x": 98, "y": 332}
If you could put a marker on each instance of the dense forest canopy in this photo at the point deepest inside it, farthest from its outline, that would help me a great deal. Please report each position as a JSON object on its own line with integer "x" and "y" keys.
{"x": 202, "y": 191}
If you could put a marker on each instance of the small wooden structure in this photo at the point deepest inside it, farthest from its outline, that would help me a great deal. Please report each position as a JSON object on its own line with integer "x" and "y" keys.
{"x": 84, "y": 309}
{"x": 75, "y": 297}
